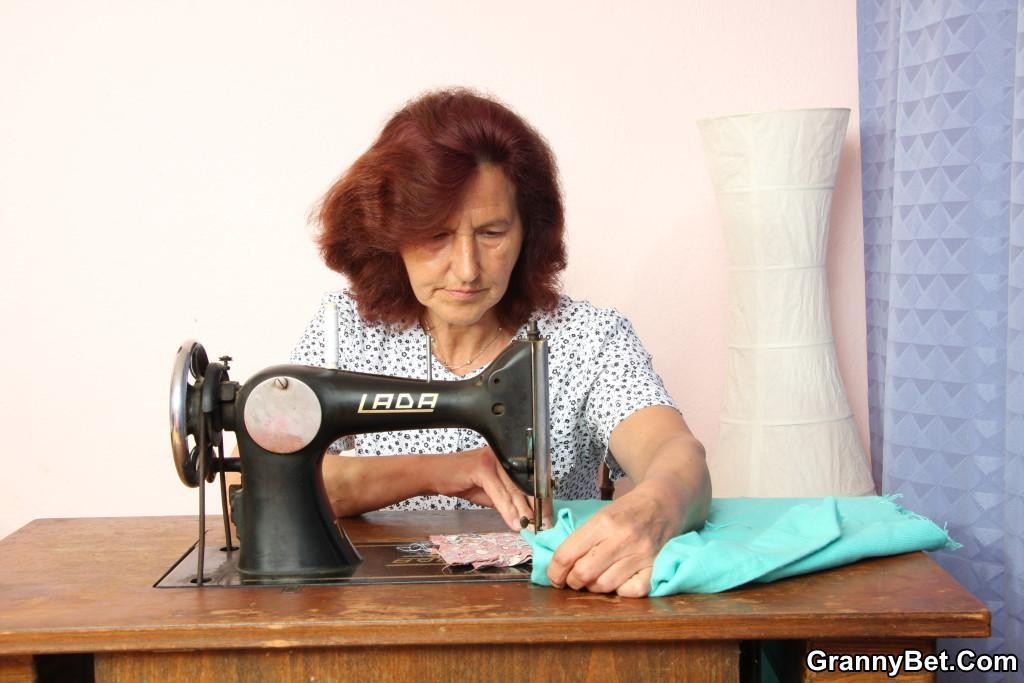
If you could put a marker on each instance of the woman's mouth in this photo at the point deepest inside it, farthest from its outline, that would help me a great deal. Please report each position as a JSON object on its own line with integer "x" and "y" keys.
{"x": 463, "y": 294}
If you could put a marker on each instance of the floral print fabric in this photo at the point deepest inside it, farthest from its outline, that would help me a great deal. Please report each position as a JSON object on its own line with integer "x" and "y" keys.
{"x": 502, "y": 549}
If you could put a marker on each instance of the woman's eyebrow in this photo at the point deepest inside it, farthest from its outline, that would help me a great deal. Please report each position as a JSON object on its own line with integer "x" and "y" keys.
{"x": 494, "y": 222}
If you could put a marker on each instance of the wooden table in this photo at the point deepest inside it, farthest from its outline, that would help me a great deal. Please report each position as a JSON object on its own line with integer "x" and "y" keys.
{"x": 86, "y": 586}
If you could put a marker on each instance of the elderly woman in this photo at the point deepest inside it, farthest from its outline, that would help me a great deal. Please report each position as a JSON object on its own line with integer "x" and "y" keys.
{"x": 451, "y": 226}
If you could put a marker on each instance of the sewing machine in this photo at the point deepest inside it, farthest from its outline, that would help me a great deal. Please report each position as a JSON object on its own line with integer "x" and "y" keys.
{"x": 285, "y": 418}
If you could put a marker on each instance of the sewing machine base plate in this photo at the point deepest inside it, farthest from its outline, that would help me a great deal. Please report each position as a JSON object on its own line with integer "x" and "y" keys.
{"x": 382, "y": 563}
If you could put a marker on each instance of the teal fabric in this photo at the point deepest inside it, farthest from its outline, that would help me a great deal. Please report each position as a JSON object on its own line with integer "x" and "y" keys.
{"x": 761, "y": 539}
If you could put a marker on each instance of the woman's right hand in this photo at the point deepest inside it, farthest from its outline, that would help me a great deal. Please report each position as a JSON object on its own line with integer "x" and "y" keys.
{"x": 477, "y": 476}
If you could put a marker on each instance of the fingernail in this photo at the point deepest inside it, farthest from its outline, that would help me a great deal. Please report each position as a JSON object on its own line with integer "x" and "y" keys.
{"x": 524, "y": 522}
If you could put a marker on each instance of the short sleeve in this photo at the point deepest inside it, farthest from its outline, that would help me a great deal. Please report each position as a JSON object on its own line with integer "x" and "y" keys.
{"x": 310, "y": 349}
{"x": 626, "y": 382}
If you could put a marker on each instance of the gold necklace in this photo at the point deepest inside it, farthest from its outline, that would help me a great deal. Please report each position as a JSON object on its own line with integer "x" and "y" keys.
{"x": 453, "y": 368}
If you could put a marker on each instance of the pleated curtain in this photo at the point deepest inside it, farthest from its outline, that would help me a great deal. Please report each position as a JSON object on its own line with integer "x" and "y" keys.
{"x": 942, "y": 120}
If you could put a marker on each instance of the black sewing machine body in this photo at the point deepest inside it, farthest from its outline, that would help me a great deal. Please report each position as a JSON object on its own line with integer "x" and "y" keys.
{"x": 285, "y": 418}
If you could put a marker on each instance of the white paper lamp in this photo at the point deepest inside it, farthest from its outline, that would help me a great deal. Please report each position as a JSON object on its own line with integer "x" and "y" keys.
{"x": 786, "y": 424}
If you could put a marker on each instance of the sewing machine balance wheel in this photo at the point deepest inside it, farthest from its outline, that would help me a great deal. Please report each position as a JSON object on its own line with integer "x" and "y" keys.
{"x": 187, "y": 417}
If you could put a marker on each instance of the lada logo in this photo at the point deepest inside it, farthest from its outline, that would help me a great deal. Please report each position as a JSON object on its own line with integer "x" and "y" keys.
{"x": 398, "y": 403}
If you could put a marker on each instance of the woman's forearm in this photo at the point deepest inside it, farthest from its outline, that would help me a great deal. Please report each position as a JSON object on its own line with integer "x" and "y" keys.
{"x": 357, "y": 484}
{"x": 678, "y": 474}
{"x": 659, "y": 452}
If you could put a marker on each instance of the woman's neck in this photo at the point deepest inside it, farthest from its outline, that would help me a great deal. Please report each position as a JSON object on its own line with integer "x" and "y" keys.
{"x": 463, "y": 348}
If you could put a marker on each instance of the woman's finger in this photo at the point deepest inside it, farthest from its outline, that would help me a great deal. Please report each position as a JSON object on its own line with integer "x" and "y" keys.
{"x": 503, "y": 500}
{"x": 572, "y": 549}
{"x": 523, "y": 505}
{"x": 524, "y": 510}
{"x": 590, "y": 569}
{"x": 617, "y": 573}
{"x": 638, "y": 585}
{"x": 506, "y": 498}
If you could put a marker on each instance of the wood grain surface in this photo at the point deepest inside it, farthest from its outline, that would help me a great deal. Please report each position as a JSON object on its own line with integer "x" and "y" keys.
{"x": 698, "y": 662}
{"x": 20, "y": 669}
{"x": 86, "y": 585}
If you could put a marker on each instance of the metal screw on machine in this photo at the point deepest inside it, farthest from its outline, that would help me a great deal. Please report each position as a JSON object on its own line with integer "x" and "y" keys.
{"x": 281, "y": 382}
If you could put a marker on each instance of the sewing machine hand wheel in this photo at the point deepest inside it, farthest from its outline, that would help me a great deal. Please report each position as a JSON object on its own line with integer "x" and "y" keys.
{"x": 187, "y": 415}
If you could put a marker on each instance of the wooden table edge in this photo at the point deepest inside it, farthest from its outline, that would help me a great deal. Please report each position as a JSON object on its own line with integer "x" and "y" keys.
{"x": 482, "y": 632}
{"x": 969, "y": 618}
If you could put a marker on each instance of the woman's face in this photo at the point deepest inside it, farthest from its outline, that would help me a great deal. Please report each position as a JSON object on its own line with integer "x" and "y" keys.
{"x": 462, "y": 271}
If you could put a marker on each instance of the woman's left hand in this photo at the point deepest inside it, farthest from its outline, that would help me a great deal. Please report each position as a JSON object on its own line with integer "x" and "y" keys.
{"x": 614, "y": 550}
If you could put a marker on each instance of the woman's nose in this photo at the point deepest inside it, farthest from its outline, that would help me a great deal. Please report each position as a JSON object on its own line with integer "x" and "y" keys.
{"x": 465, "y": 258}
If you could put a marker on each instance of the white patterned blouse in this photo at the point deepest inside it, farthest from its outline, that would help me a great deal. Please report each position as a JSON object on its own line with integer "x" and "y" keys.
{"x": 599, "y": 374}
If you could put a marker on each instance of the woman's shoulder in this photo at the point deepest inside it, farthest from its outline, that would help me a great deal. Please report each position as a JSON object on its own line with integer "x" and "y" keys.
{"x": 579, "y": 329}
{"x": 342, "y": 300}
{"x": 349, "y": 317}
{"x": 578, "y": 314}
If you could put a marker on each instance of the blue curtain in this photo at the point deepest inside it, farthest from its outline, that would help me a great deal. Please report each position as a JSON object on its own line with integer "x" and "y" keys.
{"x": 942, "y": 141}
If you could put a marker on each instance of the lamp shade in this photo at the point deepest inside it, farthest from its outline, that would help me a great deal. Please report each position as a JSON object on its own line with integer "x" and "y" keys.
{"x": 786, "y": 424}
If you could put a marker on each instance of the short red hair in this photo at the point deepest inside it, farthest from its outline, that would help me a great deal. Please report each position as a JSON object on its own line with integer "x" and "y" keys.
{"x": 413, "y": 178}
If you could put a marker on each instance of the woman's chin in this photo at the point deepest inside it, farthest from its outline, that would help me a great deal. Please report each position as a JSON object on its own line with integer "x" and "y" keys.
{"x": 458, "y": 315}
{"x": 457, "y": 321}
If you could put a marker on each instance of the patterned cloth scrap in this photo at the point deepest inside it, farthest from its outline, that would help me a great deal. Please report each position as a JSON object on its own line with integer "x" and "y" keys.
{"x": 502, "y": 549}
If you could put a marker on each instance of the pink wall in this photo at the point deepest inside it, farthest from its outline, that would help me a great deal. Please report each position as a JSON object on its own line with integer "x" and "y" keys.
{"x": 159, "y": 164}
